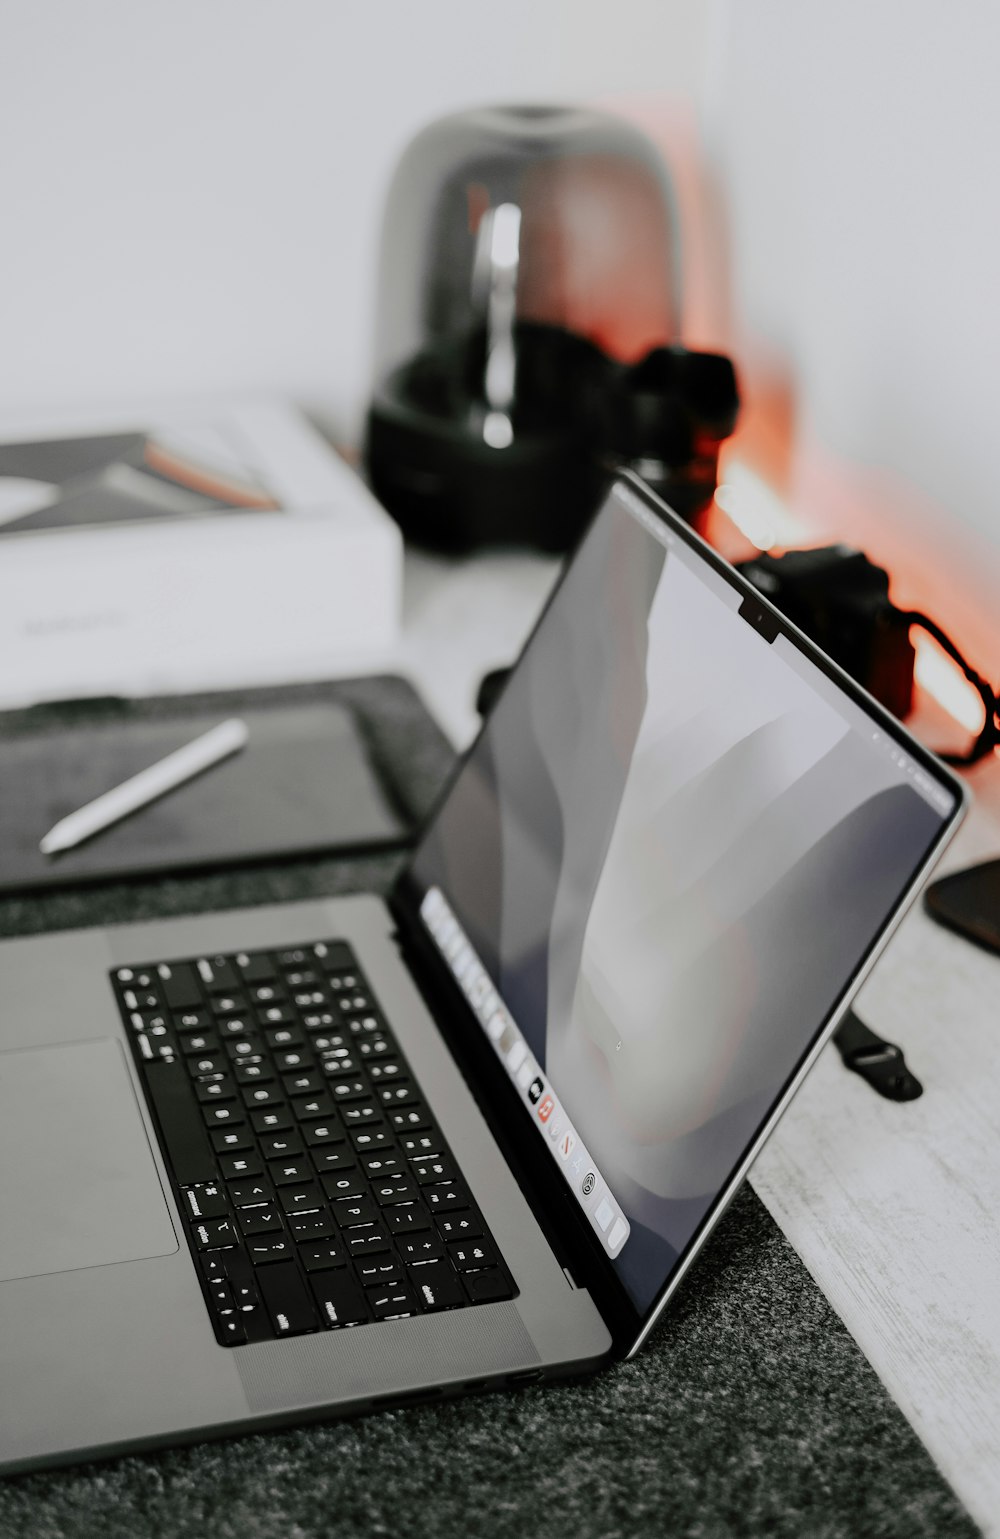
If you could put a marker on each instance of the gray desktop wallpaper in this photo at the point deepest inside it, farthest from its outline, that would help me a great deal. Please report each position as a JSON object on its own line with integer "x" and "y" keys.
{"x": 671, "y": 853}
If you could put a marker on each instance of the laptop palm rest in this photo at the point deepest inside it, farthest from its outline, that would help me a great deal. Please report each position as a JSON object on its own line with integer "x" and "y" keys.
{"x": 82, "y": 1189}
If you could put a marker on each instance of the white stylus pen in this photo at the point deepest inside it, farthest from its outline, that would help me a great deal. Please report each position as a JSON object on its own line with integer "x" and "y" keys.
{"x": 181, "y": 765}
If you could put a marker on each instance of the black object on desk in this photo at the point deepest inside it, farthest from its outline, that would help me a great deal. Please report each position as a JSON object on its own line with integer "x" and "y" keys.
{"x": 305, "y": 782}
{"x": 968, "y": 902}
{"x": 879, "y": 1062}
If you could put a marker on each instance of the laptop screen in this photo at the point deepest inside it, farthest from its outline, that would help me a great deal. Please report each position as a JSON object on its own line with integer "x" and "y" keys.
{"x": 662, "y": 863}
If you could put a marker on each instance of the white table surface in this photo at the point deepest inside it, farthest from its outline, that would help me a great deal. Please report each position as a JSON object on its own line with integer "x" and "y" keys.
{"x": 893, "y": 1208}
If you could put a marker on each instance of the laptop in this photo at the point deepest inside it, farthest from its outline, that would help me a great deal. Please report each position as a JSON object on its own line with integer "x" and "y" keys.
{"x": 293, "y": 1162}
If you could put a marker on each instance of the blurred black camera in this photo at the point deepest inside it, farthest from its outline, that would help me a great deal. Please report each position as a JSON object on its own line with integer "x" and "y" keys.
{"x": 841, "y": 601}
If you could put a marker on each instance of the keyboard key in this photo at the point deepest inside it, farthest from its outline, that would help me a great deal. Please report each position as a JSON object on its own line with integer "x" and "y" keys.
{"x": 302, "y": 978}
{"x": 367, "y": 1240}
{"x": 180, "y": 985}
{"x": 336, "y": 1064}
{"x": 246, "y": 1194}
{"x": 409, "y": 1220}
{"x": 279, "y": 1146}
{"x": 324, "y": 1020}
{"x": 334, "y": 1161}
{"x": 235, "y": 1166}
{"x": 301, "y": 1199}
{"x": 436, "y": 1285}
{"x": 316, "y": 1258}
{"x": 231, "y": 1019}
{"x": 259, "y": 1220}
{"x": 268, "y": 1249}
{"x": 217, "y": 974}
{"x": 200, "y": 1067}
{"x": 233, "y": 1329}
{"x": 385, "y": 1071}
{"x": 460, "y": 1226}
{"x": 222, "y": 1116}
{"x": 283, "y": 1036}
{"x": 209, "y": 1090}
{"x": 309, "y": 999}
{"x": 257, "y": 967}
{"x": 355, "y": 1091}
{"x": 349, "y": 1211}
{"x": 396, "y": 1095}
{"x": 293, "y": 1058}
{"x": 193, "y": 1020}
{"x": 423, "y": 1247}
{"x": 227, "y": 1140}
{"x": 275, "y": 1016}
{"x": 188, "y": 1150}
{"x": 290, "y": 1172}
{"x": 388, "y": 1193}
{"x": 300, "y": 956}
{"x": 240, "y": 1049}
{"x": 428, "y": 1172}
{"x": 339, "y": 1299}
{"x": 409, "y": 1119}
{"x": 374, "y": 1047}
{"x": 367, "y": 1140}
{"x": 343, "y": 1183}
{"x": 306, "y": 1108}
{"x": 200, "y": 1042}
{"x": 485, "y": 1287}
{"x": 244, "y": 1288}
{"x": 261, "y": 1095}
{"x": 367, "y": 1115}
{"x": 255, "y": 1072}
{"x": 470, "y": 1255}
{"x": 205, "y": 1201}
{"x": 392, "y": 1304}
{"x": 214, "y": 1234}
{"x": 311, "y": 1226}
{"x": 213, "y": 1266}
{"x": 268, "y": 994}
{"x": 379, "y": 1271}
{"x": 422, "y": 1143}
{"x": 220, "y": 1296}
{"x": 318, "y": 1134}
{"x": 443, "y": 1198}
{"x": 335, "y": 957}
{"x": 271, "y": 1119}
{"x": 287, "y": 1300}
{"x": 377, "y": 1166}
{"x": 229, "y": 1004}
{"x": 305, "y": 1084}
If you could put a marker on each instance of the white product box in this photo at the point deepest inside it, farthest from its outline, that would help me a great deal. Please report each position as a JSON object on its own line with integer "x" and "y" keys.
{"x": 198, "y": 546}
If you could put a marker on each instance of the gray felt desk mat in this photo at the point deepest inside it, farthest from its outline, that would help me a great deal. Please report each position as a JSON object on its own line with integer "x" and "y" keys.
{"x": 749, "y": 1411}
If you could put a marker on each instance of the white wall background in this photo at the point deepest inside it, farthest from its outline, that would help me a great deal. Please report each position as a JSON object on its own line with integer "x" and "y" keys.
{"x": 190, "y": 193}
{"x": 858, "y": 148}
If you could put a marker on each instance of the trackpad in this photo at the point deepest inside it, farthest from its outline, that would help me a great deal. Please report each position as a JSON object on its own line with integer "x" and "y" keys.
{"x": 78, "y": 1186}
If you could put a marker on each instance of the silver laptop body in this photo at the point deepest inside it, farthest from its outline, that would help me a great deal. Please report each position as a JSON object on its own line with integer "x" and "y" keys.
{"x": 599, "y": 1179}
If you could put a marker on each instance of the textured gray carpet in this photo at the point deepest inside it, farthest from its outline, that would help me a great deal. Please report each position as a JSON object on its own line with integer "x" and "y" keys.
{"x": 750, "y": 1411}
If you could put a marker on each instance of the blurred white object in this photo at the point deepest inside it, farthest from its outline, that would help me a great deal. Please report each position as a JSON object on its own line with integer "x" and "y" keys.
{"x": 225, "y": 544}
{"x": 147, "y": 786}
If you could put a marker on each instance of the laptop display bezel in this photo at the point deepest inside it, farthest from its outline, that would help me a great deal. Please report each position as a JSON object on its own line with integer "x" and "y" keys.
{"x": 584, "y": 1258}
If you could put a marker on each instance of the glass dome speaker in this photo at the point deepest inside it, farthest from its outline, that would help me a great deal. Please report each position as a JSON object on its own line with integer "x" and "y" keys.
{"x": 528, "y": 259}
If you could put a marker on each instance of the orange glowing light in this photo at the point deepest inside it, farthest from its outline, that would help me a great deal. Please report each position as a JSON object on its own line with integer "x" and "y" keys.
{"x": 763, "y": 517}
{"x": 935, "y": 672}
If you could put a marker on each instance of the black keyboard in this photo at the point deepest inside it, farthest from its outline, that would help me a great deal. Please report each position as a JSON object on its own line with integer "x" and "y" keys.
{"x": 317, "y": 1188}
